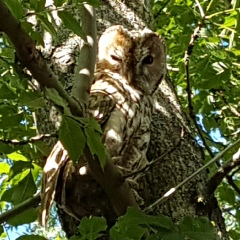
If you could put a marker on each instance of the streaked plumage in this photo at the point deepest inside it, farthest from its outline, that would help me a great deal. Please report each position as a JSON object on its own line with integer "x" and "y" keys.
{"x": 130, "y": 68}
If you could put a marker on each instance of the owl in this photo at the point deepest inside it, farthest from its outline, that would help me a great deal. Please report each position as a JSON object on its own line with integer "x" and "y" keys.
{"x": 130, "y": 67}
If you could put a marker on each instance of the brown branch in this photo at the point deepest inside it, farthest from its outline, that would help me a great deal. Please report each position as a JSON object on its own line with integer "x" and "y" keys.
{"x": 118, "y": 192}
{"x": 174, "y": 189}
{"x": 31, "y": 58}
{"x": 187, "y": 56}
{"x": 113, "y": 183}
{"x": 222, "y": 172}
{"x": 30, "y": 140}
{"x": 192, "y": 114}
{"x": 22, "y": 207}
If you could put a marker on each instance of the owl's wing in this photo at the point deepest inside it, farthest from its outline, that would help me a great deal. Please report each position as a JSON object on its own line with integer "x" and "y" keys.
{"x": 101, "y": 102}
{"x": 57, "y": 158}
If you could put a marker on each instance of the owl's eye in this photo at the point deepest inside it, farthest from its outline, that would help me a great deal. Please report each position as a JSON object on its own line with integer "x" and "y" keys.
{"x": 148, "y": 60}
{"x": 115, "y": 58}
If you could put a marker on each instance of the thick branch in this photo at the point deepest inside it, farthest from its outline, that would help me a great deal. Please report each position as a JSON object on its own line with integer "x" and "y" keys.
{"x": 30, "y": 57}
{"x": 223, "y": 171}
{"x": 86, "y": 62}
{"x": 22, "y": 207}
{"x": 113, "y": 183}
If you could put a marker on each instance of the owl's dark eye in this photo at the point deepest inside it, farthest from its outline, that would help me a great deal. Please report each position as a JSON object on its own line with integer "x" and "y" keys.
{"x": 148, "y": 60}
{"x": 115, "y": 58}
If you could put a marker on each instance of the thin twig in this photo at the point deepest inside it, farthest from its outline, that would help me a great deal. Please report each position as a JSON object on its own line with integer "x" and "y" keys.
{"x": 187, "y": 56}
{"x": 200, "y": 9}
{"x": 192, "y": 114}
{"x": 160, "y": 10}
{"x": 231, "y": 108}
{"x": 30, "y": 140}
{"x": 172, "y": 190}
{"x": 150, "y": 164}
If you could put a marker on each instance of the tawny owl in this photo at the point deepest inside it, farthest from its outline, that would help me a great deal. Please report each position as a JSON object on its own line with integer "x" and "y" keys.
{"x": 130, "y": 68}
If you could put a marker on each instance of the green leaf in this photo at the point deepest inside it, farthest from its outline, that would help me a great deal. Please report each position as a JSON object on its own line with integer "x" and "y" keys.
{"x": 197, "y": 229}
{"x": 5, "y": 148}
{"x": 92, "y": 229}
{"x": 234, "y": 234}
{"x": 1, "y": 230}
{"x": 129, "y": 233}
{"x": 219, "y": 54}
{"x": 7, "y": 92}
{"x": 226, "y": 194}
{"x": 94, "y": 142}
{"x": 28, "y": 27}
{"x": 15, "y": 7}
{"x": 137, "y": 224}
{"x": 4, "y": 167}
{"x": 94, "y": 3}
{"x": 33, "y": 100}
{"x": 166, "y": 236}
{"x": 23, "y": 190}
{"x": 72, "y": 137}
{"x": 95, "y": 125}
{"x": 17, "y": 156}
{"x": 31, "y": 237}
{"x": 24, "y": 217}
{"x": 42, "y": 148}
{"x": 59, "y": 3}
{"x": 38, "y": 5}
{"x": 11, "y": 121}
{"x": 43, "y": 19}
{"x": 71, "y": 23}
{"x": 53, "y": 95}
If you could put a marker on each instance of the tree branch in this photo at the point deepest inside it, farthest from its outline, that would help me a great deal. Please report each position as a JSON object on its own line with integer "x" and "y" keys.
{"x": 172, "y": 190}
{"x": 222, "y": 172}
{"x": 88, "y": 51}
{"x": 30, "y": 140}
{"x": 22, "y": 207}
{"x": 31, "y": 58}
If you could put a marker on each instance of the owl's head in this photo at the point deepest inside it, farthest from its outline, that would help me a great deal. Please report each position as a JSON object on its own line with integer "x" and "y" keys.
{"x": 149, "y": 61}
{"x": 114, "y": 48}
{"x": 138, "y": 56}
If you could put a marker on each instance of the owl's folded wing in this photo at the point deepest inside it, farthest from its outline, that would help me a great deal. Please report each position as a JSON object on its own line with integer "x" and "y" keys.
{"x": 100, "y": 105}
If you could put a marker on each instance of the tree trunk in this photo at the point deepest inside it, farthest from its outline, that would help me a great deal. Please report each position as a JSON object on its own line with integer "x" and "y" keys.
{"x": 170, "y": 130}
